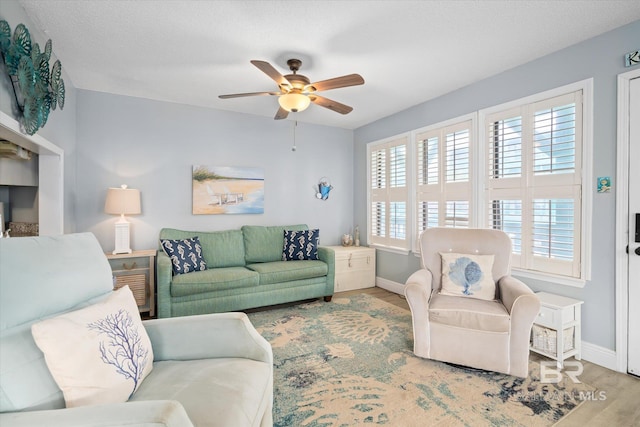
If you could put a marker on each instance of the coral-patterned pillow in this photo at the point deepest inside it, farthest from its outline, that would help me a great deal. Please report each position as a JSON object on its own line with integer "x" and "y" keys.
{"x": 468, "y": 276}
{"x": 98, "y": 354}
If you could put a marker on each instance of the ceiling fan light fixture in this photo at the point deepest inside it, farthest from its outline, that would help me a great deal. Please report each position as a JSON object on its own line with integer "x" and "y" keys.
{"x": 294, "y": 102}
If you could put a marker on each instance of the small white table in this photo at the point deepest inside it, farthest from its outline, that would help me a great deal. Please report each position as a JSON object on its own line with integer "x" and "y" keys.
{"x": 557, "y": 314}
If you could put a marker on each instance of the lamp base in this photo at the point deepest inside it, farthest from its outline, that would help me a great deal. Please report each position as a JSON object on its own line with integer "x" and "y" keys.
{"x": 122, "y": 238}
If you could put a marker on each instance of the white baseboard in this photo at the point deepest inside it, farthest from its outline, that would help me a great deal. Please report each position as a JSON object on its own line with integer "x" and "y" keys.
{"x": 593, "y": 353}
{"x": 600, "y": 356}
{"x": 390, "y": 285}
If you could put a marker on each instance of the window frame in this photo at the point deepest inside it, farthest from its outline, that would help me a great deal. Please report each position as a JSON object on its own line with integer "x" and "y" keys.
{"x": 400, "y": 194}
{"x": 583, "y": 228}
{"x": 445, "y": 191}
{"x": 478, "y": 169}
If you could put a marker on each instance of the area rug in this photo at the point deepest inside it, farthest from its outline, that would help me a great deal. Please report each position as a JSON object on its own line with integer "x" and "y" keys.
{"x": 349, "y": 363}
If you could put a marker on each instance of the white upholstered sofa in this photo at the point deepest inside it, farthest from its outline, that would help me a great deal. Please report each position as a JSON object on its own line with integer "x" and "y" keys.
{"x": 208, "y": 370}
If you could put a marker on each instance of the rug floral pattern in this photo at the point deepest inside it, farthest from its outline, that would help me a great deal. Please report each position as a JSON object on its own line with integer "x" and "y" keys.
{"x": 349, "y": 363}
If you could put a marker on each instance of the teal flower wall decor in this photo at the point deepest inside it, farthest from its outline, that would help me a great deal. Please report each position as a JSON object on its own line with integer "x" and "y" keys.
{"x": 37, "y": 90}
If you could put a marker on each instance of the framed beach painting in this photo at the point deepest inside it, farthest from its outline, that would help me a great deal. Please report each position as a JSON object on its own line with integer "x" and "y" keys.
{"x": 227, "y": 190}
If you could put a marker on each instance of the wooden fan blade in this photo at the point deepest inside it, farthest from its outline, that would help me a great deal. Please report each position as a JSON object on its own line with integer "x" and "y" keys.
{"x": 281, "y": 114}
{"x": 240, "y": 95}
{"x": 344, "y": 81}
{"x": 330, "y": 104}
{"x": 268, "y": 69}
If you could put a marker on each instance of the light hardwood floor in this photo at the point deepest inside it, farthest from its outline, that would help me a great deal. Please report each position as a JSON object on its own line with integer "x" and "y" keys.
{"x": 620, "y": 406}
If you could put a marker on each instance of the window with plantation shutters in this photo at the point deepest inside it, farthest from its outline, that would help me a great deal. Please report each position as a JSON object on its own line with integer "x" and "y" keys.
{"x": 443, "y": 167}
{"x": 388, "y": 194}
{"x": 534, "y": 182}
{"x": 522, "y": 167}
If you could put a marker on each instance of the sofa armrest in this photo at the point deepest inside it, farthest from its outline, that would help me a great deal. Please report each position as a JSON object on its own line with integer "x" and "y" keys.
{"x": 328, "y": 255}
{"x": 152, "y": 413}
{"x": 207, "y": 336}
{"x": 164, "y": 274}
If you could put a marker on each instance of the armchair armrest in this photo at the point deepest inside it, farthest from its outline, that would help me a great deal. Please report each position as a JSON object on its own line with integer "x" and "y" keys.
{"x": 207, "y": 336}
{"x": 515, "y": 294}
{"x": 418, "y": 292}
{"x": 523, "y": 306}
{"x": 417, "y": 288}
{"x": 152, "y": 413}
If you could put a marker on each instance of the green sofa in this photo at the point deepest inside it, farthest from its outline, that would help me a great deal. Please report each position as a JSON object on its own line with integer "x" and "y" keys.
{"x": 244, "y": 270}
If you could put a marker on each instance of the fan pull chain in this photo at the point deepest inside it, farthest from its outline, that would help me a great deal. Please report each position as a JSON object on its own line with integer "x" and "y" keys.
{"x": 294, "y": 136}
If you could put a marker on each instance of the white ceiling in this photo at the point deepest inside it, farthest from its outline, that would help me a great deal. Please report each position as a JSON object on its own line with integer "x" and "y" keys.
{"x": 408, "y": 52}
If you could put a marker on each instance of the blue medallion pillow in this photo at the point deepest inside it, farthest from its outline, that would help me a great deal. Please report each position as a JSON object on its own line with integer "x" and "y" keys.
{"x": 185, "y": 254}
{"x": 468, "y": 276}
{"x": 299, "y": 245}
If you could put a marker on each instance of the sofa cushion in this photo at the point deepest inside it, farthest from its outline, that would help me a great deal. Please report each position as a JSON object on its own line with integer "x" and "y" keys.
{"x": 469, "y": 313}
{"x": 215, "y": 279}
{"x": 468, "y": 276}
{"x": 219, "y": 248}
{"x": 300, "y": 245}
{"x": 98, "y": 354}
{"x": 264, "y": 244}
{"x": 185, "y": 254}
{"x": 214, "y": 392}
{"x": 286, "y": 271}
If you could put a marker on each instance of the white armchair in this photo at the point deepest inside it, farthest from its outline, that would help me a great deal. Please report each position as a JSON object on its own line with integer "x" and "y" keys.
{"x": 490, "y": 335}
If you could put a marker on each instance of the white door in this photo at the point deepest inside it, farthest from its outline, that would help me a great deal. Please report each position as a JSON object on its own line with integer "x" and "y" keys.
{"x": 634, "y": 228}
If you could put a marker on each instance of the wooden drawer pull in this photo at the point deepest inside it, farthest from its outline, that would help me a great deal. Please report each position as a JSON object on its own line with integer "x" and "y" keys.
{"x": 350, "y": 255}
{"x": 124, "y": 265}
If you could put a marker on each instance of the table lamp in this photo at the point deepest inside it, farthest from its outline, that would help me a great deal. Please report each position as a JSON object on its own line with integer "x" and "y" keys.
{"x": 122, "y": 201}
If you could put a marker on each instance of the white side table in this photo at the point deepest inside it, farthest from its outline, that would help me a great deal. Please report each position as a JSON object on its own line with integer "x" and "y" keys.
{"x": 559, "y": 317}
{"x": 136, "y": 270}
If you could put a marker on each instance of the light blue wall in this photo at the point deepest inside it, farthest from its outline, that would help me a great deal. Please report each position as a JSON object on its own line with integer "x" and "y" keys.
{"x": 600, "y": 58}
{"x": 61, "y": 125}
{"x": 109, "y": 140}
{"x": 152, "y": 146}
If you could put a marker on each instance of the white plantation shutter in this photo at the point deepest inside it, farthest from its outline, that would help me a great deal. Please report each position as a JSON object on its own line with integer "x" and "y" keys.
{"x": 533, "y": 182}
{"x": 457, "y": 155}
{"x": 443, "y": 170}
{"x": 388, "y": 193}
{"x": 456, "y": 214}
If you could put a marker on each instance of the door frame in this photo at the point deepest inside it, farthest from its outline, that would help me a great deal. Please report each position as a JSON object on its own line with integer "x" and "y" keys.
{"x": 622, "y": 220}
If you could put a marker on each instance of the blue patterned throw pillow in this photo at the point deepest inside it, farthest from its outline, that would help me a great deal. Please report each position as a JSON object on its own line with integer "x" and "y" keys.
{"x": 185, "y": 254}
{"x": 299, "y": 245}
{"x": 468, "y": 276}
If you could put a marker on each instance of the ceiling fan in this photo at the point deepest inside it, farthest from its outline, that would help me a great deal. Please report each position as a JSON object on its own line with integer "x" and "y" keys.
{"x": 297, "y": 91}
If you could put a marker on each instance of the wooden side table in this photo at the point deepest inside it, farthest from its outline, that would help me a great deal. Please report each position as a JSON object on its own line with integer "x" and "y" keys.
{"x": 556, "y": 330}
{"x": 355, "y": 267}
{"x": 137, "y": 270}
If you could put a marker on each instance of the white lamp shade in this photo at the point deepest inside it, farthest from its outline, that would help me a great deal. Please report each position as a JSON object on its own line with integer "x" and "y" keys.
{"x": 122, "y": 201}
{"x": 294, "y": 102}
